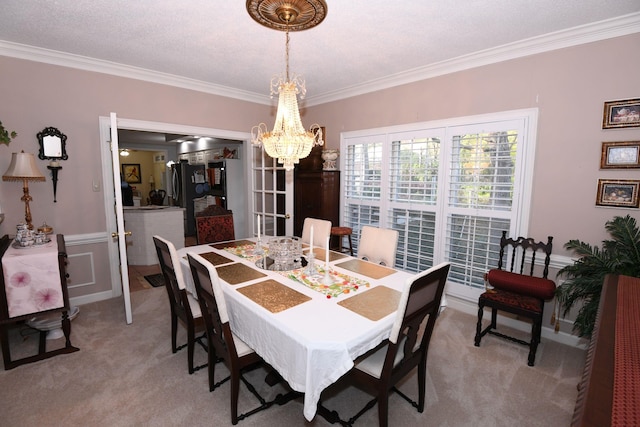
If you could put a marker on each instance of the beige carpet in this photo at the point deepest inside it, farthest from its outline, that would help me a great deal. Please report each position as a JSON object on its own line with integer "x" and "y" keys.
{"x": 126, "y": 375}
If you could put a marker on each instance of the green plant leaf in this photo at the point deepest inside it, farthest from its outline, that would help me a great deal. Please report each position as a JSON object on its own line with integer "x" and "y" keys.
{"x": 585, "y": 277}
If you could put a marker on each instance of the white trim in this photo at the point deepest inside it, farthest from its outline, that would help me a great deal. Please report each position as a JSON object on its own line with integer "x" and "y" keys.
{"x": 107, "y": 174}
{"x": 93, "y": 270}
{"x": 471, "y": 308}
{"x": 607, "y": 29}
{"x": 86, "y": 299}
{"x": 70, "y": 60}
{"x": 602, "y": 30}
{"x": 85, "y": 239}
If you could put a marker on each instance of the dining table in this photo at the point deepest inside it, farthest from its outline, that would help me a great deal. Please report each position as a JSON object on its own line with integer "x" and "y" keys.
{"x": 308, "y": 325}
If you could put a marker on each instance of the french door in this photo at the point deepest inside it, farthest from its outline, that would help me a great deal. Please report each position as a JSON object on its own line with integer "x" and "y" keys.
{"x": 272, "y": 190}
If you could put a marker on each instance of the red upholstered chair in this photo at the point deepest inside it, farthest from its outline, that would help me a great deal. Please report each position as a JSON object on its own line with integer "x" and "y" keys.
{"x": 214, "y": 224}
{"x": 520, "y": 292}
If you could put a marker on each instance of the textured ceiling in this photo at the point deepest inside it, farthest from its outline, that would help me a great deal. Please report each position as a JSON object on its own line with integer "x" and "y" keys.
{"x": 360, "y": 46}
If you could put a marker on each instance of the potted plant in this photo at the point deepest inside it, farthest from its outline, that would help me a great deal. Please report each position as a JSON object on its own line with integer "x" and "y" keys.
{"x": 620, "y": 255}
{"x": 5, "y": 135}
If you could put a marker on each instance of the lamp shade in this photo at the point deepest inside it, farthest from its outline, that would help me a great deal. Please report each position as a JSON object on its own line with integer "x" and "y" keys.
{"x": 23, "y": 167}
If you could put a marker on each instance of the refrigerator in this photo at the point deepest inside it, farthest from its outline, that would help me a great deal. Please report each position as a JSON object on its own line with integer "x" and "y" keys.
{"x": 188, "y": 182}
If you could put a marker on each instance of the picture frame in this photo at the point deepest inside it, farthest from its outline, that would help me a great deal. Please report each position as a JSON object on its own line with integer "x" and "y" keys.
{"x": 619, "y": 193}
{"x": 131, "y": 173}
{"x": 620, "y": 155}
{"x": 624, "y": 113}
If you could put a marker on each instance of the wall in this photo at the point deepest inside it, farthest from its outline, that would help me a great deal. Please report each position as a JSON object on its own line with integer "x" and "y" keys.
{"x": 147, "y": 169}
{"x": 37, "y": 95}
{"x": 568, "y": 86}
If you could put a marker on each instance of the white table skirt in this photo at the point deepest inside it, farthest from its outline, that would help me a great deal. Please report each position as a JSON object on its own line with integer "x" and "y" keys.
{"x": 312, "y": 344}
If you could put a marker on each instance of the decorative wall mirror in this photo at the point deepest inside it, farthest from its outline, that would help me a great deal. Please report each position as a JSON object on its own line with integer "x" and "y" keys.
{"x": 52, "y": 145}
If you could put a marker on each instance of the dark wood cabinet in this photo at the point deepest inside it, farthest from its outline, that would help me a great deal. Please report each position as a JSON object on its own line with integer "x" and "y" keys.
{"x": 316, "y": 195}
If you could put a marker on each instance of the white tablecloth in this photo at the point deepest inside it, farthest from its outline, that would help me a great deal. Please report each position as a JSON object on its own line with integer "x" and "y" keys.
{"x": 312, "y": 344}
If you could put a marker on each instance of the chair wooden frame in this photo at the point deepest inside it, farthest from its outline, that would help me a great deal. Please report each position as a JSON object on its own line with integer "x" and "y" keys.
{"x": 528, "y": 306}
{"x": 379, "y": 370}
{"x": 223, "y": 345}
{"x": 182, "y": 304}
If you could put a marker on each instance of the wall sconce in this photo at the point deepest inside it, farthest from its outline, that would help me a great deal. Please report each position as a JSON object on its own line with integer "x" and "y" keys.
{"x": 23, "y": 168}
{"x": 53, "y": 147}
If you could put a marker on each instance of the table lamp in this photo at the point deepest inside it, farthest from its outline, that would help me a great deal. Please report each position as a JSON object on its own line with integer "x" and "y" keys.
{"x": 23, "y": 168}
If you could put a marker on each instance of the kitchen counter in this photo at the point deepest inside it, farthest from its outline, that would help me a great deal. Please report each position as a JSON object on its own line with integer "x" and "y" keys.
{"x": 146, "y": 221}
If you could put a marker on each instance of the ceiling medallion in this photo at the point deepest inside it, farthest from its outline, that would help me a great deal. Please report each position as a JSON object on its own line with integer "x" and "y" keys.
{"x": 287, "y": 15}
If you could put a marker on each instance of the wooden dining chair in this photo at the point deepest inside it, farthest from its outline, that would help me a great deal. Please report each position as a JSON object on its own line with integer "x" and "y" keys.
{"x": 184, "y": 306}
{"x": 321, "y": 231}
{"x": 379, "y": 370}
{"x": 223, "y": 344}
{"x": 517, "y": 291}
{"x": 378, "y": 245}
{"x": 214, "y": 224}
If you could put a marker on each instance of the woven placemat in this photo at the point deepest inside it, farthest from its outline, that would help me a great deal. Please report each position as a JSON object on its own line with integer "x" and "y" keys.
{"x": 373, "y": 304}
{"x": 273, "y": 295}
{"x": 215, "y": 258}
{"x": 238, "y": 273}
{"x": 366, "y": 268}
{"x": 232, "y": 244}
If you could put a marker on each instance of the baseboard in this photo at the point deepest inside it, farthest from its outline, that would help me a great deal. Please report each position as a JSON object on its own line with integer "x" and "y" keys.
{"x": 86, "y": 299}
{"x": 470, "y": 307}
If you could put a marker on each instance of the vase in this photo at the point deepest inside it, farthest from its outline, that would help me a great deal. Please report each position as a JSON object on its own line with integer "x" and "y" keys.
{"x": 330, "y": 158}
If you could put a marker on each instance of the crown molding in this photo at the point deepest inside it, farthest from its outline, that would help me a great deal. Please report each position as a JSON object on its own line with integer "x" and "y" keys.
{"x": 615, "y": 27}
{"x": 602, "y": 30}
{"x": 64, "y": 59}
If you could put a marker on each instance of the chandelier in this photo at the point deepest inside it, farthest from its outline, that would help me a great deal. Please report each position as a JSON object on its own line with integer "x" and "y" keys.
{"x": 289, "y": 141}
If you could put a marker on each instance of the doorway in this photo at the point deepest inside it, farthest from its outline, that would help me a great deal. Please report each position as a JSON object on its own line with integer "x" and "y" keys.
{"x": 107, "y": 173}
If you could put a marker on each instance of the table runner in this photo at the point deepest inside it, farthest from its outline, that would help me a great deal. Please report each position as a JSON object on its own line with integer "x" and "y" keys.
{"x": 341, "y": 283}
{"x": 320, "y": 255}
{"x": 32, "y": 279}
{"x": 238, "y": 273}
{"x": 373, "y": 304}
{"x": 273, "y": 295}
{"x": 365, "y": 268}
{"x": 246, "y": 251}
{"x": 626, "y": 385}
{"x": 232, "y": 244}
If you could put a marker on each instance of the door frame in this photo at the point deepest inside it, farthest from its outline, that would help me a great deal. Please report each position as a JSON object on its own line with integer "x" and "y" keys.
{"x": 107, "y": 174}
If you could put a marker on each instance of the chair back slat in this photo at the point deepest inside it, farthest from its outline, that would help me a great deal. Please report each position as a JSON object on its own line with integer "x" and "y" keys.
{"x": 522, "y": 249}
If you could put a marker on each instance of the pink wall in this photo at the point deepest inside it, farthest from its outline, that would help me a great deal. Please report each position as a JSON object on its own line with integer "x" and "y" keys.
{"x": 568, "y": 86}
{"x": 36, "y": 95}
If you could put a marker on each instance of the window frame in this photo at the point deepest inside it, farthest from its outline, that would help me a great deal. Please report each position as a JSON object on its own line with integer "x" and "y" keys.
{"x": 526, "y": 122}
